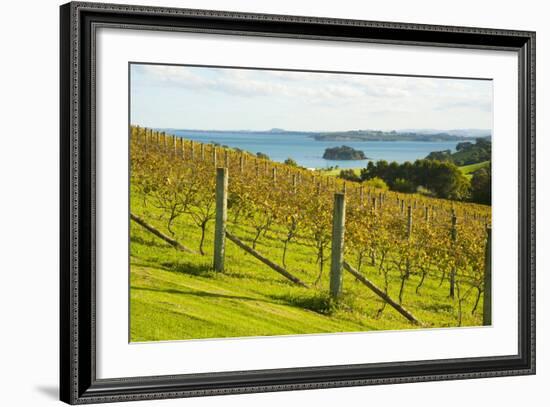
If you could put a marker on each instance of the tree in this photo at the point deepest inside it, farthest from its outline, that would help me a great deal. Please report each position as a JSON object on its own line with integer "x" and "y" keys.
{"x": 403, "y": 185}
{"x": 350, "y": 175}
{"x": 291, "y": 162}
{"x": 378, "y": 170}
{"x": 447, "y": 181}
{"x": 481, "y": 186}
{"x": 466, "y": 145}
{"x": 442, "y": 177}
{"x": 444, "y": 155}
{"x": 466, "y": 152}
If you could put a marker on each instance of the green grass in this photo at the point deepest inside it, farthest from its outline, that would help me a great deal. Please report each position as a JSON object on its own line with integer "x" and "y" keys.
{"x": 336, "y": 172}
{"x": 468, "y": 170}
{"x": 176, "y": 295}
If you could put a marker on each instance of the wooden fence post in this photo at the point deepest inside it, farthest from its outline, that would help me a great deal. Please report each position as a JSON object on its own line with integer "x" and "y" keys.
{"x": 294, "y": 182}
{"x": 361, "y": 195}
{"x": 274, "y": 174}
{"x": 426, "y": 214}
{"x": 226, "y": 159}
{"x": 202, "y": 151}
{"x": 409, "y": 222}
{"x": 487, "y": 283}
{"x": 221, "y": 218}
{"x": 409, "y": 233}
{"x": 453, "y": 240}
{"x": 145, "y": 139}
{"x": 241, "y": 163}
{"x": 214, "y": 157}
{"x": 337, "y": 250}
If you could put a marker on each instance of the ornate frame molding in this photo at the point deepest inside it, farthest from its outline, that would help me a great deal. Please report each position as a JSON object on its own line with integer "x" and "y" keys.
{"x": 77, "y": 247}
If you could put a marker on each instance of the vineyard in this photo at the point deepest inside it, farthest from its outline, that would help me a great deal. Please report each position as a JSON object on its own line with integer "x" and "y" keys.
{"x": 224, "y": 243}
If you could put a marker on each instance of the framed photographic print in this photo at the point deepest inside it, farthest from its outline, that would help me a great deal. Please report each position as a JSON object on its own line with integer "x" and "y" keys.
{"x": 255, "y": 203}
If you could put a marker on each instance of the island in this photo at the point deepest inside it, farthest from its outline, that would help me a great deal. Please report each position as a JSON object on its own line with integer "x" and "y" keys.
{"x": 343, "y": 153}
{"x": 409, "y": 135}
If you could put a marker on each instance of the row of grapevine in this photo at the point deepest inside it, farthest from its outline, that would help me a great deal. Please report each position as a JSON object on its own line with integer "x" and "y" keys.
{"x": 398, "y": 235}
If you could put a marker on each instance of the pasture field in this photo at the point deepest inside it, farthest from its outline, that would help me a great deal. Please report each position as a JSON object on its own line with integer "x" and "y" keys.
{"x": 468, "y": 170}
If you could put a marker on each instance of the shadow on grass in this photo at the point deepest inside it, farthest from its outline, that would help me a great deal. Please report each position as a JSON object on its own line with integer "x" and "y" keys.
{"x": 316, "y": 302}
{"x": 202, "y": 294}
{"x": 203, "y": 270}
{"x": 438, "y": 308}
{"x": 149, "y": 242}
{"x": 244, "y": 276}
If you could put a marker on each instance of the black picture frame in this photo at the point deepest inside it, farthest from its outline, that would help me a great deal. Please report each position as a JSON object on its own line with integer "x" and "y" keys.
{"x": 78, "y": 382}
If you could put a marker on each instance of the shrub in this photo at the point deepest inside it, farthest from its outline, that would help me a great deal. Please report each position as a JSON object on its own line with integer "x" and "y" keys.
{"x": 291, "y": 162}
{"x": 350, "y": 175}
{"x": 376, "y": 183}
{"x": 403, "y": 185}
{"x": 262, "y": 155}
{"x": 481, "y": 186}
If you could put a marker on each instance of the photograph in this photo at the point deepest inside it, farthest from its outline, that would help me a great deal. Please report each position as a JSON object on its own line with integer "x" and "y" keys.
{"x": 268, "y": 202}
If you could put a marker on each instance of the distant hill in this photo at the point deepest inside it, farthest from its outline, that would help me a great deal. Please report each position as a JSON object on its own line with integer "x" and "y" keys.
{"x": 360, "y": 135}
{"x": 453, "y": 132}
{"x": 379, "y": 135}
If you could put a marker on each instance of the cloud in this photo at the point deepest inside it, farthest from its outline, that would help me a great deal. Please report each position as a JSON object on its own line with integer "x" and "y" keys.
{"x": 394, "y": 101}
{"x": 165, "y": 75}
{"x": 314, "y": 87}
{"x": 484, "y": 106}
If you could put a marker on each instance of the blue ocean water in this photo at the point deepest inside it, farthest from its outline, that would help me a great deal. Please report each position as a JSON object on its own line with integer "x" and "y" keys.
{"x": 308, "y": 152}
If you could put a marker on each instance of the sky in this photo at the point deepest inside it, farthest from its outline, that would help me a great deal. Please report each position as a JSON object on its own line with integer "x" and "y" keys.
{"x": 184, "y": 97}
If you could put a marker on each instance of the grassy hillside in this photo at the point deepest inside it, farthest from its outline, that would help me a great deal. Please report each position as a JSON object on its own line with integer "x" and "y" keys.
{"x": 177, "y": 295}
{"x": 468, "y": 170}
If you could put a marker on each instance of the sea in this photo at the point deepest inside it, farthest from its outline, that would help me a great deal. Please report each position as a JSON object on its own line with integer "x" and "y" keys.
{"x": 308, "y": 152}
